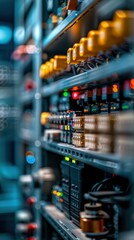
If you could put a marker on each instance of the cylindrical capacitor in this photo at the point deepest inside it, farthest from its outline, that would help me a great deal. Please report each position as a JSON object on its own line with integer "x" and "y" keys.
{"x": 44, "y": 117}
{"x": 84, "y": 52}
{"x": 92, "y": 219}
{"x": 93, "y": 44}
{"x": 70, "y": 57}
{"x": 60, "y": 62}
{"x": 123, "y": 24}
{"x": 48, "y": 64}
{"x": 76, "y": 53}
{"x": 43, "y": 71}
{"x": 52, "y": 71}
{"x": 106, "y": 38}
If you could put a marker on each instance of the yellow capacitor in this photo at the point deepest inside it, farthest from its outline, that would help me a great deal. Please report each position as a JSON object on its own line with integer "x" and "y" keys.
{"x": 60, "y": 62}
{"x": 70, "y": 57}
{"x": 124, "y": 24}
{"x": 76, "y": 53}
{"x": 44, "y": 117}
{"x": 43, "y": 71}
{"x": 84, "y": 48}
{"x": 54, "y": 19}
{"x": 48, "y": 64}
{"x": 106, "y": 38}
{"x": 51, "y": 64}
{"x": 93, "y": 42}
{"x": 52, "y": 71}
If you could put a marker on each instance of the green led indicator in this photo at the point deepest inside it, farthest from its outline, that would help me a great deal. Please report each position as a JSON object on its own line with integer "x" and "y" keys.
{"x": 67, "y": 159}
{"x": 125, "y": 107}
{"x": 61, "y": 194}
{"x": 73, "y": 161}
{"x": 65, "y": 94}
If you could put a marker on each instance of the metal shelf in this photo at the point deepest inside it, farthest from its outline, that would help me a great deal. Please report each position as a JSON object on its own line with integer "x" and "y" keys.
{"x": 126, "y": 235}
{"x": 67, "y": 23}
{"x": 27, "y": 4}
{"x": 118, "y": 66}
{"x": 27, "y": 97}
{"x": 62, "y": 225}
{"x": 106, "y": 162}
{"x": 29, "y": 25}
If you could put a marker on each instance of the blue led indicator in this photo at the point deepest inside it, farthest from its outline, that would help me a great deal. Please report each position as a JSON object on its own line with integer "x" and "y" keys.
{"x": 30, "y": 159}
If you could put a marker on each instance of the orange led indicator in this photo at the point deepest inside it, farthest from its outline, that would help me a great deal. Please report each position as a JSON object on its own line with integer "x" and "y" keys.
{"x": 132, "y": 83}
{"x": 115, "y": 88}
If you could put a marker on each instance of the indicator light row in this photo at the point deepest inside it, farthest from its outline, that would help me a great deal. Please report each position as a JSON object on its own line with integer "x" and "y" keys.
{"x": 109, "y": 33}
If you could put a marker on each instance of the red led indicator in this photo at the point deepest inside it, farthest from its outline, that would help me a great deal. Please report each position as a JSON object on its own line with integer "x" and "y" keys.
{"x": 132, "y": 83}
{"x": 75, "y": 95}
{"x": 31, "y": 201}
{"x": 32, "y": 227}
{"x": 31, "y": 238}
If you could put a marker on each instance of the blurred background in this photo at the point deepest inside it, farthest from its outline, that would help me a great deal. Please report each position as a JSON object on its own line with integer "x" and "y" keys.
{"x": 66, "y": 119}
{"x": 10, "y": 200}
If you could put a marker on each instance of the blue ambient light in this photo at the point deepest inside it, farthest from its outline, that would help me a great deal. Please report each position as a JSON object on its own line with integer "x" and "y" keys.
{"x": 5, "y": 34}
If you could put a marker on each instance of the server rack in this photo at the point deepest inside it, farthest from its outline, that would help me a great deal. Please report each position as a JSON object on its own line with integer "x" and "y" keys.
{"x": 107, "y": 162}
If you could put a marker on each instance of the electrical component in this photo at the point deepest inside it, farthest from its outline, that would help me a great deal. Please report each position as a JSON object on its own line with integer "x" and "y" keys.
{"x": 43, "y": 71}
{"x": 132, "y": 83}
{"x": 65, "y": 170}
{"x": 105, "y": 143}
{"x": 23, "y": 216}
{"x": 93, "y": 44}
{"x": 76, "y": 53}
{"x": 75, "y": 95}
{"x": 92, "y": 220}
{"x": 31, "y": 201}
{"x": 91, "y": 141}
{"x": 78, "y": 122}
{"x": 124, "y": 146}
{"x": 90, "y": 123}
{"x": 123, "y": 24}
{"x": 52, "y": 135}
{"x": 70, "y": 57}
{"x": 57, "y": 197}
{"x": 51, "y": 69}
{"x": 27, "y": 230}
{"x": 78, "y": 139}
{"x": 30, "y": 157}
{"x": 106, "y": 38}
{"x": 106, "y": 123}
{"x": 44, "y": 178}
{"x": 44, "y": 118}
{"x": 48, "y": 65}
{"x": 60, "y": 62}
{"x": 83, "y": 51}
{"x": 124, "y": 123}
